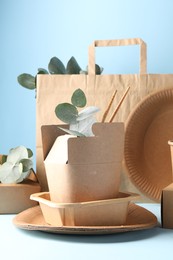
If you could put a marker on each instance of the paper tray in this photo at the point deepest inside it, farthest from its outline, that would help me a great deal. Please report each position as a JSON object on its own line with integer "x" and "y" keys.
{"x": 92, "y": 213}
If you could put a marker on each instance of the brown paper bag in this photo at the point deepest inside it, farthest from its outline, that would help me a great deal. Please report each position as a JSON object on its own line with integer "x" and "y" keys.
{"x": 55, "y": 89}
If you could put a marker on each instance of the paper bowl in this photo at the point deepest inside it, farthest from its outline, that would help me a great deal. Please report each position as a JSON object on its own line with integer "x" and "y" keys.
{"x": 146, "y": 151}
{"x": 94, "y": 213}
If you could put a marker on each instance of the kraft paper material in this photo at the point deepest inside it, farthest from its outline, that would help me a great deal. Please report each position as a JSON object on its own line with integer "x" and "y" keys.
{"x": 55, "y": 89}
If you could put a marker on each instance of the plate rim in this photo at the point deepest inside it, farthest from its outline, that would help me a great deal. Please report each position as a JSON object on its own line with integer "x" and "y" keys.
{"x": 83, "y": 230}
{"x": 159, "y": 96}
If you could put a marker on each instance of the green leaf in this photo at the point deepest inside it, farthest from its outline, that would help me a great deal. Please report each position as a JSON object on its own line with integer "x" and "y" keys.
{"x": 30, "y": 153}
{"x": 10, "y": 173}
{"x": 71, "y": 132}
{"x": 56, "y": 66}
{"x": 16, "y": 154}
{"x": 72, "y": 66}
{"x": 16, "y": 165}
{"x": 87, "y": 112}
{"x": 84, "y": 72}
{"x": 27, "y": 81}
{"x": 27, "y": 164}
{"x": 84, "y": 126}
{"x": 4, "y": 159}
{"x": 42, "y": 71}
{"x": 98, "y": 69}
{"x": 78, "y": 98}
{"x": 66, "y": 112}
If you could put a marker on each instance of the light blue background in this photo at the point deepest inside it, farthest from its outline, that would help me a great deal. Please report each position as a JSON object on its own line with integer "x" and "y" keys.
{"x": 33, "y": 31}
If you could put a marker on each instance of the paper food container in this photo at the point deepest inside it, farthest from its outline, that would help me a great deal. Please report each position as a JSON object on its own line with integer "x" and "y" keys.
{"x": 15, "y": 198}
{"x": 170, "y": 143}
{"x": 167, "y": 207}
{"x": 93, "y": 167}
{"x": 167, "y": 199}
{"x": 95, "y": 213}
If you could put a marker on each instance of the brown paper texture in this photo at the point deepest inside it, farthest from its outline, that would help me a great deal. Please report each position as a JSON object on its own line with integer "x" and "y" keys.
{"x": 94, "y": 164}
{"x": 167, "y": 207}
{"x": 15, "y": 198}
{"x": 55, "y": 89}
{"x": 96, "y": 213}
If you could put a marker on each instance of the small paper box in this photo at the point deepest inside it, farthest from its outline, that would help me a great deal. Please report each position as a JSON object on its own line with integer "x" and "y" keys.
{"x": 94, "y": 164}
{"x": 15, "y": 198}
{"x": 167, "y": 207}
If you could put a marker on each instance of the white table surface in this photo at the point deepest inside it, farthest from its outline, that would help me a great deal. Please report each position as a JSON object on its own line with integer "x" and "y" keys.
{"x": 155, "y": 243}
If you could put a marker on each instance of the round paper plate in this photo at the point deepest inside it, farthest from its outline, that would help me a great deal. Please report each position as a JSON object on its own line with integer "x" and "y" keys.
{"x": 147, "y": 153}
{"x": 138, "y": 218}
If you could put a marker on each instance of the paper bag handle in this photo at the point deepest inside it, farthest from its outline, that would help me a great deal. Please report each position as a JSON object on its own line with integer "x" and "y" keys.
{"x": 120, "y": 42}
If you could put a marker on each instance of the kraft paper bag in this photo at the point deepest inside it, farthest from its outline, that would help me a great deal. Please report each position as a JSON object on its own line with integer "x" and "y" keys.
{"x": 55, "y": 89}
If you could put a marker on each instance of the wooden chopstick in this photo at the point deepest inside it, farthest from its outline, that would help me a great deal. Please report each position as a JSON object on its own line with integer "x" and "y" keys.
{"x": 118, "y": 106}
{"x": 109, "y": 106}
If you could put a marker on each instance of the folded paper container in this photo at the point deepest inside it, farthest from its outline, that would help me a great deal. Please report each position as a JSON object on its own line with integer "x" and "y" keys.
{"x": 170, "y": 143}
{"x": 167, "y": 199}
{"x": 167, "y": 207}
{"x": 94, "y": 213}
{"x": 93, "y": 168}
{"x": 84, "y": 190}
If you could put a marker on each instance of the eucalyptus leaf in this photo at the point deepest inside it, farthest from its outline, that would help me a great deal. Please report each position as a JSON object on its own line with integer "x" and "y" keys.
{"x": 4, "y": 159}
{"x": 84, "y": 126}
{"x": 66, "y": 112}
{"x": 78, "y": 98}
{"x": 83, "y": 72}
{"x": 16, "y": 154}
{"x": 16, "y": 166}
{"x": 30, "y": 153}
{"x": 80, "y": 123}
{"x": 23, "y": 176}
{"x": 10, "y": 173}
{"x": 27, "y": 164}
{"x": 98, "y": 69}
{"x": 87, "y": 112}
{"x": 71, "y": 132}
{"x": 17, "y": 170}
{"x": 27, "y": 81}
{"x": 56, "y": 66}
{"x": 42, "y": 71}
{"x": 72, "y": 66}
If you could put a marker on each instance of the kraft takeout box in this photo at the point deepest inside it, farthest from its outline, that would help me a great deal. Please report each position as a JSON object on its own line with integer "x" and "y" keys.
{"x": 93, "y": 169}
{"x": 167, "y": 207}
